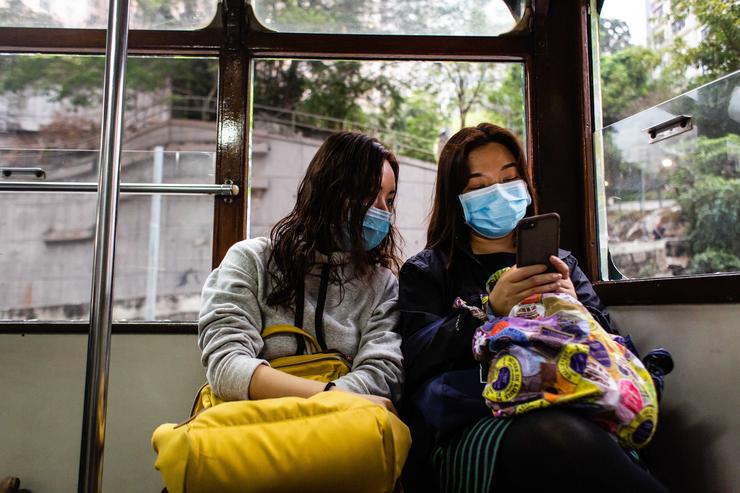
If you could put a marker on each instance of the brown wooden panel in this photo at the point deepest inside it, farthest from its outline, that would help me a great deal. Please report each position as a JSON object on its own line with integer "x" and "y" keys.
{"x": 561, "y": 118}
{"x": 230, "y": 214}
{"x": 92, "y": 41}
{"x": 714, "y": 288}
{"x": 397, "y": 47}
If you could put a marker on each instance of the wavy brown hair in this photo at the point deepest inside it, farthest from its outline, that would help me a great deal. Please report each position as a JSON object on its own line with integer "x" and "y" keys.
{"x": 341, "y": 184}
{"x": 447, "y": 223}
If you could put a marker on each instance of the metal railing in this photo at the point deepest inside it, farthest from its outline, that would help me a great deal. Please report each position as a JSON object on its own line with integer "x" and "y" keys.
{"x": 300, "y": 122}
{"x": 199, "y": 108}
{"x": 227, "y": 189}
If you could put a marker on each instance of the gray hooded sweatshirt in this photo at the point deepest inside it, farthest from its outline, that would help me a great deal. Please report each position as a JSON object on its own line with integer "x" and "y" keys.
{"x": 358, "y": 322}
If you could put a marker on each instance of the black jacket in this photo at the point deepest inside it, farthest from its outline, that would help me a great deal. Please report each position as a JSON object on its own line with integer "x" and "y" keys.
{"x": 427, "y": 290}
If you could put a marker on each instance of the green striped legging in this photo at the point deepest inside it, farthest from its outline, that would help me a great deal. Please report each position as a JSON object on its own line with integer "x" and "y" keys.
{"x": 465, "y": 463}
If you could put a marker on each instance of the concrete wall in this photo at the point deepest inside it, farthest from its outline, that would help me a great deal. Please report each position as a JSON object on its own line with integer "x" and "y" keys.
{"x": 50, "y": 280}
{"x": 153, "y": 380}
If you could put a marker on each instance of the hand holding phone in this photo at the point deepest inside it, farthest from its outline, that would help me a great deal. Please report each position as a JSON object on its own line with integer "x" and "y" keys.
{"x": 538, "y": 238}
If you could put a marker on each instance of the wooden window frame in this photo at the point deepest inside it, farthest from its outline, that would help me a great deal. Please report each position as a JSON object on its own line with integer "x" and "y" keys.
{"x": 556, "y": 56}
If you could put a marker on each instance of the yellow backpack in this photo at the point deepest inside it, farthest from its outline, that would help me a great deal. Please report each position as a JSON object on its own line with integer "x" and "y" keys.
{"x": 321, "y": 365}
{"x": 332, "y": 442}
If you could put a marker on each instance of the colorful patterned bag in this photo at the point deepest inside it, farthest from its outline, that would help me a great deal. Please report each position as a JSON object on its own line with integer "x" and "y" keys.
{"x": 551, "y": 351}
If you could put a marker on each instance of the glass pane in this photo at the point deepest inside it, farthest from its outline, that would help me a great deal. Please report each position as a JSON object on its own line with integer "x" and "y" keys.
{"x": 144, "y": 14}
{"x": 673, "y": 206}
{"x": 413, "y": 107}
{"x": 163, "y": 255}
{"x": 54, "y": 102}
{"x": 454, "y": 17}
{"x": 46, "y": 255}
{"x": 47, "y": 245}
{"x": 653, "y": 50}
{"x": 659, "y": 59}
{"x": 50, "y": 121}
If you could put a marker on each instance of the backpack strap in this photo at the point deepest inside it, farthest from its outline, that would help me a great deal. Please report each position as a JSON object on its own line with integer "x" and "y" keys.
{"x": 298, "y": 322}
{"x": 320, "y": 303}
{"x": 319, "y": 315}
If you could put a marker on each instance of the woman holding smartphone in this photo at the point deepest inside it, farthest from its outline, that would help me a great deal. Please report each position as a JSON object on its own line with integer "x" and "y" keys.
{"x": 482, "y": 191}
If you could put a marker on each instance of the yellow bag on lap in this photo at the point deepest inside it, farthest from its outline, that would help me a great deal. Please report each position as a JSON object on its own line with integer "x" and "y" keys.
{"x": 320, "y": 365}
{"x": 331, "y": 442}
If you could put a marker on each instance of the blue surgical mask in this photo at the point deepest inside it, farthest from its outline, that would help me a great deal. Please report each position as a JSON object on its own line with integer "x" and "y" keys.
{"x": 375, "y": 227}
{"x": 493, "y": 212}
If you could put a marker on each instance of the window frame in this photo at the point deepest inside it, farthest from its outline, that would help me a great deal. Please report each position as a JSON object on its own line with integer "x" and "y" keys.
{"x": 558, "y": 86}
{"x": 689, "y": 289}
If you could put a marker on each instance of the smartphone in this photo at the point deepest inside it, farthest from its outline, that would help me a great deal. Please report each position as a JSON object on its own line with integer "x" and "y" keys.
{"x": 537, "y": 238}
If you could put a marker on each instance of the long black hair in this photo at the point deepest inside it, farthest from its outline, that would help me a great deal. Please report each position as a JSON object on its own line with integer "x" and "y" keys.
{"x": 447, "y": 222}
{"x": 341, "y": 184}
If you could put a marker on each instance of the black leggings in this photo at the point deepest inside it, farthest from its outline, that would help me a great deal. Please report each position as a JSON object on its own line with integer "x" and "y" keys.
{"x": 554, "y": 450}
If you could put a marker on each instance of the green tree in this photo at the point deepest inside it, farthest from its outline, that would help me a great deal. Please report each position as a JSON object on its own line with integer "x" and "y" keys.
{"x": 614, "y": 35}
{"x": 707, "y": 186}
{"x": 628, "y": 84}
{"x": 372, "y": 16}
{"x": 16, "y": 13}
{"x": 279, "y": 83}
{"x": 718, "y": 53}
{"x": 79, "y": 79}
{"x": 506, "y": 101}
{"x": 420, "y": 120}
{"x": 708, "y": 107}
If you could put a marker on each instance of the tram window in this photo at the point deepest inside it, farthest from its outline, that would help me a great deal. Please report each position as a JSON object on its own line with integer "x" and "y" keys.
{"x": 669, "y": 184}
{"x": 144, "y": 14}
{"x": 457, "y": 17}
{"x": 51, "y": 117}
{"x": 413, "y": 107}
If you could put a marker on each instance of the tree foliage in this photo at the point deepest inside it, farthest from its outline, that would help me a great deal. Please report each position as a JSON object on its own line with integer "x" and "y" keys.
{"x": 614, "y": 35}
{"x": 718, "y": 53}
{"x": 79, "y": 79}
{"x": 506, "y": 101}
{"x": 372, "y": 17}
{"x": 707, "y": 186}
{"x": 628, "y": 82}
{"x": 149, "y": 14}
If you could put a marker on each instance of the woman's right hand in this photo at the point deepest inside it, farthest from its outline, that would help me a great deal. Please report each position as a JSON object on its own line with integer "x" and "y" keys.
{"x": 381, "y": 401}
{"x": 518, "y": 283}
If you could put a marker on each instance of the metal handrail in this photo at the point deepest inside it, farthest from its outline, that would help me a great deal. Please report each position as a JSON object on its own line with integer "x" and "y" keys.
{"x": 90, "y": 477}
{"x": 227, "y": 189}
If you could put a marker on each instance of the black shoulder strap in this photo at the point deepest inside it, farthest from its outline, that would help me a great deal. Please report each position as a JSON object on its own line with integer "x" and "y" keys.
{"x": 299, "y": 301}
{"x": 320, "y": 303}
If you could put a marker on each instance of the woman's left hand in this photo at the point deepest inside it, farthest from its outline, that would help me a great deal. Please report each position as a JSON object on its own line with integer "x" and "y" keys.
{"x": 565, "y": 285}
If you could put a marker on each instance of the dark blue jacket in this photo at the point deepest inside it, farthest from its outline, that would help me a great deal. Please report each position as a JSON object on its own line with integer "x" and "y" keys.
{"x": 443, "y": 391}
{"x": 427, "y": 290}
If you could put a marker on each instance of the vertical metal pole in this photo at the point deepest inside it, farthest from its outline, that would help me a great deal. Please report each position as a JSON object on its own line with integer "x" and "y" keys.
{"x": 152, "y": 270}
{"x": 101, "y": 302}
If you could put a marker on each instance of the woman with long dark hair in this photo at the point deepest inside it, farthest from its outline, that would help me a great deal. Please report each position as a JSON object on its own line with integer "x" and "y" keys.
{"x": 483, "y": 190}
{"x": 328, "y": 263}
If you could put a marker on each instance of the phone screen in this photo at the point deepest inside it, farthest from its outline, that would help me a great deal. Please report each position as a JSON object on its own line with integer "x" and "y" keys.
{"x": 538, "y": 237}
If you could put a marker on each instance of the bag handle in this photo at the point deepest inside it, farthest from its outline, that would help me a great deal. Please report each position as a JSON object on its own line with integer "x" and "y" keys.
{"x": 277, "y": 329}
